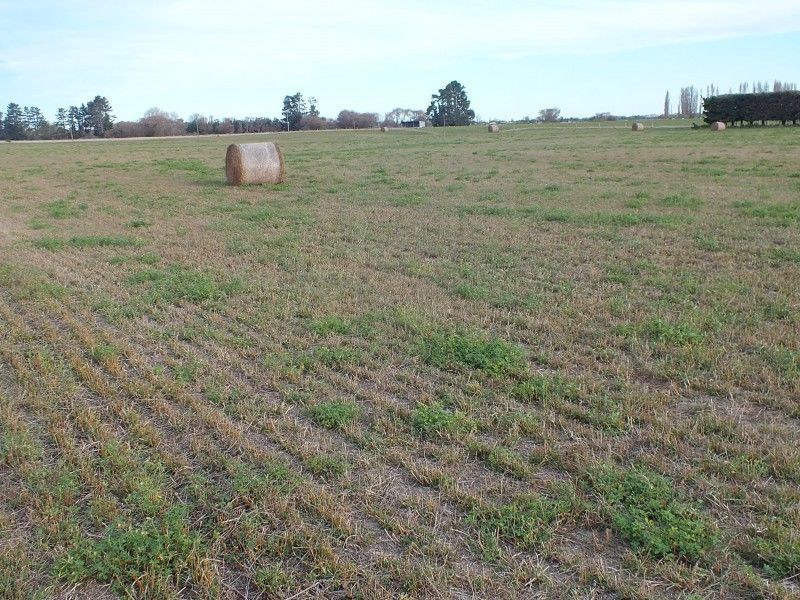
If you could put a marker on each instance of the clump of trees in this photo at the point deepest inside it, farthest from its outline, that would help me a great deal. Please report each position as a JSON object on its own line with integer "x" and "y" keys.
{"x": 350, "y": 119}
{"x": 780, "y": 106}
{"x": 450, "y": 107}
{"x": 154, "y": 123}
{"x": 92, "y": 118}
{"x": 690, "y": 97}
{"x": 550, "y": 115}
{"x": 397, "y": 115}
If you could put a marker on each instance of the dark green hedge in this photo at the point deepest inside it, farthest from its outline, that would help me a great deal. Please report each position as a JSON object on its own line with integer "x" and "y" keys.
{"x": 772, "y": 106}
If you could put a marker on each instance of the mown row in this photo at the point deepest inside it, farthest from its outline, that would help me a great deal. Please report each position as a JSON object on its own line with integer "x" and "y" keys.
{"x": 396, "y": 374}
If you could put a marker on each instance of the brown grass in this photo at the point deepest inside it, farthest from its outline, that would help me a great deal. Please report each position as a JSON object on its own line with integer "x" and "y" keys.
{"x": 500, "y": 317}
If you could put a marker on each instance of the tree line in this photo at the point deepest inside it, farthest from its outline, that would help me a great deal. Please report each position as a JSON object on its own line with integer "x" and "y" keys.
{"x": 780, "y": 106}
{"x": 691, "y": 97}
{"x": 94, "y": 118}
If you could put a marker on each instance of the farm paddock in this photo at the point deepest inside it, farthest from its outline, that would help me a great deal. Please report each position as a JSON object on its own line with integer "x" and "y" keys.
{"x": 552, "y": 362}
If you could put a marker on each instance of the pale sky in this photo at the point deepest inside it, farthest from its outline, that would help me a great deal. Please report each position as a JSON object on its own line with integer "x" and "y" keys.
{"x": 241, "y": 57}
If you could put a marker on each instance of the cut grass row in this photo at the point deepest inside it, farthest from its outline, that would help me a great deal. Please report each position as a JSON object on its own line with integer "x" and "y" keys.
{"x": 569, "y": 400}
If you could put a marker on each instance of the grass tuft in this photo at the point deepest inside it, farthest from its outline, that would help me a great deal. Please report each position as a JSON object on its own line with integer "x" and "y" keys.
{"x": 330, "y": 324}
{"x": 664, "y": 332}
{"x": 528, "y": 521}
{"x": 87, "y": 241}
{"x": 645, "y": 510}
{"x": 776, "y": 549}
{"x": 177, "y": 283}
{"x": 435, "y": 419}
{"x": 452, "y": 350}
{"x": 154, "y": 554}
{"x": 334, "y": 414}
{"x": 545, "y": 389}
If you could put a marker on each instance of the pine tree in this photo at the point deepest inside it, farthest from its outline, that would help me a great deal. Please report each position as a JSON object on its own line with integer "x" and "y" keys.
{"x": 294, "y": 108}
{"x": 34, "y": 120}
{"x": 450, "y": 106}
{"x": 62, "y": 121}
{"x": 97, "y": 114}
{"x": 13, "y": 123}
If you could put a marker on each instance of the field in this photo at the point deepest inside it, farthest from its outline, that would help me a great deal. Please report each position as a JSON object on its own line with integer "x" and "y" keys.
{"x": 550, "y": 362}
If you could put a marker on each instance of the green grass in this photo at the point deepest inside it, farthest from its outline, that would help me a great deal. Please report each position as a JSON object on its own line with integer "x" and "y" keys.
{"x": 177, "y": 283}
{"x": 334, "y": 414}
{"x": 785, "y": 255}
{"x": 681, "y": 201}
{"x": 330, "y": 324}
{"x": 528, "y": 521}
{"x": 784, "y": 361}
{"x": 331, "y": 357}
{"x": 782, "y": 215}
{"x": 646, "y": 510}
{"x": 30, "y": 283}
{"x": 194, "y": 167}
{"x": 435, "y": 419}
{"x": 87, "y": 241}
{"x": 65, "y": 209}
{"x": 327, "y": 466}
{"x": 503, "y": 460}
{"x": 457, "y": 350}
{"x": 422, "y": 366}
{"x": 661, "y": 331}
{"x": 154, "y": 554}
{"x": 776, "y": 549}
{"x": 545, "y": 389}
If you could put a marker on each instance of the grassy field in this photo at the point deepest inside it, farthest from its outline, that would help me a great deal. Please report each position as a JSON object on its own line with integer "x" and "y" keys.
{"x": 548, "y": 362}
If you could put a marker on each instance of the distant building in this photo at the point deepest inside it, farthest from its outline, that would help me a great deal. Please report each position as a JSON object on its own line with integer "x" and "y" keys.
{"x": 412, "y": 123}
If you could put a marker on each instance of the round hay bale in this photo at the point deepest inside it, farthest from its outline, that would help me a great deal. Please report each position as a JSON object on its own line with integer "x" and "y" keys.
{"x": 493, "y": 128}
{"x": 254, "y": 163}
{"x": 718, "y": 126}
{"x": 384, "y": 128}
{"x": 637, "y": 127}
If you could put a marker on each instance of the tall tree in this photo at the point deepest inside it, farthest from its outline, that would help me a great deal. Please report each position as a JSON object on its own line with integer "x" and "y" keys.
{"x": 450, "y": 106}
{"x": 666, "y": 104}
{"x": 689, "y": 102}
{"x": 83, "y": 120}
{"x": 197, "y": 124}
{"x": 98, "y": 115}
{"x": 61, "y": 121}
{"x": 74, "y": 121}
{"x": 13, "y": 123}
{"x": 34, "y": 120}
{"x": 550, "y": 115}
{"x": 313, "y": 111}
{"x": 294, "y": 107}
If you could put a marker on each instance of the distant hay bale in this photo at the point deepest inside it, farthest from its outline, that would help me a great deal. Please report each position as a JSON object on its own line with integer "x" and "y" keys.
{"x": 718, "y": 126}
{"x": 493, "y": 128}
{"x": 637, "y": 127}
{"x": 384, "y": 128}
{"x": 254, "y": 163}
